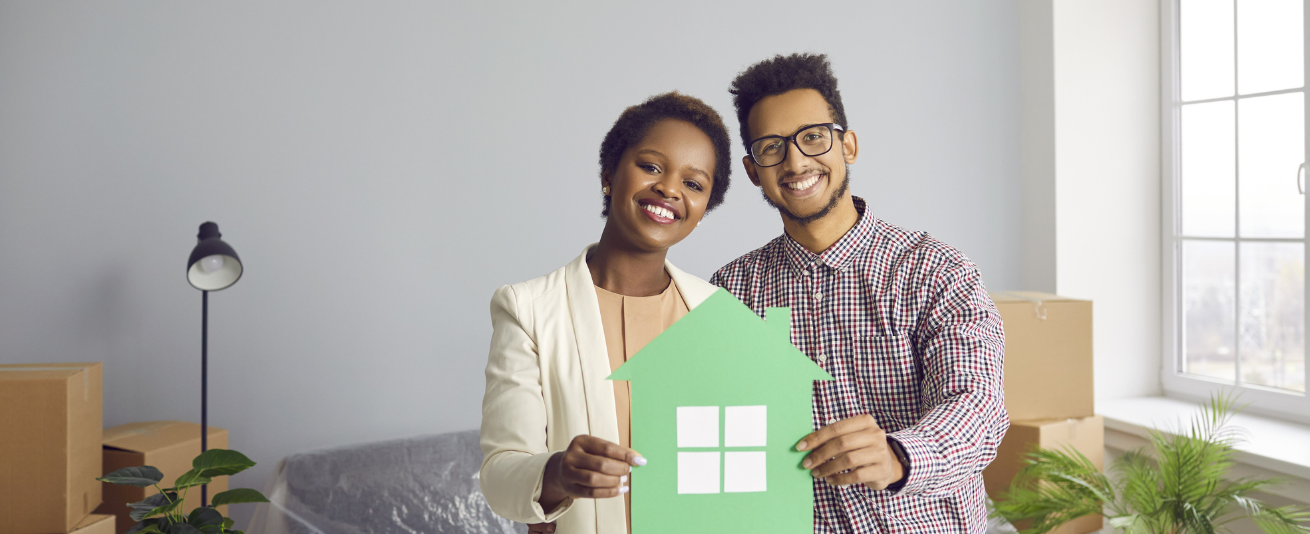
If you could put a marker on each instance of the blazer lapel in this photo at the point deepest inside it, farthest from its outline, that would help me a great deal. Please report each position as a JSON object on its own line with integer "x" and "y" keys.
{"x": 593, "y": 355}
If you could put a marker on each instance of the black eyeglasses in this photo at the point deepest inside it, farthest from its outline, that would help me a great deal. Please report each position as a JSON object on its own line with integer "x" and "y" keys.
{"x": 812, "y": 140}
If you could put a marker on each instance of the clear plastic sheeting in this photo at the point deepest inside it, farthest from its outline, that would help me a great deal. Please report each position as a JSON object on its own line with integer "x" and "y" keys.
{"x": 420, "y": 485}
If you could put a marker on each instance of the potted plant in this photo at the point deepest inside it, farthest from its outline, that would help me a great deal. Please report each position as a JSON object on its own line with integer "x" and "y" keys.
{"x": 1174, "y": 485}
{"x": 161, "y": 513}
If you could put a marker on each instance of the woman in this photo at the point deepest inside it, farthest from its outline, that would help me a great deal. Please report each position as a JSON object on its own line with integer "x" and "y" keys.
{"x": 554, "y": 431}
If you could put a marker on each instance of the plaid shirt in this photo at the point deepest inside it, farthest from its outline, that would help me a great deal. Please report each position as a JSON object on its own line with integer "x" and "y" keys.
{"x": 903, "y": 324}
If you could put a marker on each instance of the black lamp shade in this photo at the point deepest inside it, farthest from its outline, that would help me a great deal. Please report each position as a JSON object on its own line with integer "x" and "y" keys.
{"x": 220, "y": 267}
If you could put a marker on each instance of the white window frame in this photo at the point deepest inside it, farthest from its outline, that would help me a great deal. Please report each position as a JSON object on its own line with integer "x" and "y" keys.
{"x": 1258, "y": 400}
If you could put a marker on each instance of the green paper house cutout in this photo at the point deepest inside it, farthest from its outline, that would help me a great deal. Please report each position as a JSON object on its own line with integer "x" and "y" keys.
{"x": 719, "y": 401}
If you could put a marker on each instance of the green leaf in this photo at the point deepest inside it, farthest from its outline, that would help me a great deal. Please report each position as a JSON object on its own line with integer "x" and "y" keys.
{"x": 189, "y": 479}
{"x": 183, "y": 528}
{"x": 227, "y": 523}
{"x": 220, "y": 462}
{"x": 141, "y": 477}
{"x": 238, "y": 496}
{"x": 149, "y": 526}
{"x": 207, "y": 520}
{"x": 205, "y": 517}
{"x": 154, "y": 505}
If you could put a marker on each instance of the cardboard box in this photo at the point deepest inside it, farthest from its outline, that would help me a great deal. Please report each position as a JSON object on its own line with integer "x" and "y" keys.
{"x": 95, "y": 524}
{"x": 169, "y": 446}
{"x": 50, "y": 426}
{"x": 1086, "y": 435}
{"x": 1048, "y": 355}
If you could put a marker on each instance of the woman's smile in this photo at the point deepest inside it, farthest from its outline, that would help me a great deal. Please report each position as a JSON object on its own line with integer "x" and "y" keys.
{"x": 659, "y": 211}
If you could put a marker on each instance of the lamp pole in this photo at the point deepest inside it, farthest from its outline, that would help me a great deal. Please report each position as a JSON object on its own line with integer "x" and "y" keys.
{"x": 204, "y": 385}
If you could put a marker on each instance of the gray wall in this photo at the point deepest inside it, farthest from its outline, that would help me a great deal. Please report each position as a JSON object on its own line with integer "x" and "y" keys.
{"x": 382, "y": 167}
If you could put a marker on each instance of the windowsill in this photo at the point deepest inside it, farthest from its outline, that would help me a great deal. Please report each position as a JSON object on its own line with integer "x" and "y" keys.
{"x": 1272, "y": 448}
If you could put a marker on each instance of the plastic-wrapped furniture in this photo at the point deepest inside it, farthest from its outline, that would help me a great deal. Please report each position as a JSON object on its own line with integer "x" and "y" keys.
{"x": 419, "y": 485}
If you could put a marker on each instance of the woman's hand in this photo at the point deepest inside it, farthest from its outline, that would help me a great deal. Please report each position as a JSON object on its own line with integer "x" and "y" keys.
{"x": 591, "y": 468}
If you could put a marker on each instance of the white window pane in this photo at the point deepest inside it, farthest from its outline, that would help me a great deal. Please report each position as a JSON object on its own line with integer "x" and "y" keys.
{"x": 1208, "y": 292}
{"x": 745, "y": 426}
{"x": 1271, "y": 141}
{"x": 698, "y": 472}
{"x": 1273, "y": 315}
{"x": 744, "y": 472}
{"x": 1269, "y": 48}
{"x": 1206, "y": 48}
{"x": 698, "y": 426}
{"x": 1207, "y": 182}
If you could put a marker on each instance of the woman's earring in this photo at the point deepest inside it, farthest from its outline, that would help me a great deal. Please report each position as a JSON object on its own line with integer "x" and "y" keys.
{"x": 605, "y": 190}
{"x": 697, "y": 224}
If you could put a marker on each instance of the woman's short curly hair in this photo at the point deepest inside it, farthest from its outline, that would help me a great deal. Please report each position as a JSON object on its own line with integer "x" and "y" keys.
{"x": 780, "y": 74}
{"x": 637, "y": 120}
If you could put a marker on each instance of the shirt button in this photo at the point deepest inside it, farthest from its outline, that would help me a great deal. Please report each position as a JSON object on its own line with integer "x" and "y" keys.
{"x": 821, "y": 358}
{"x": 818, "y": 296}
{"x": 832, "y": 421}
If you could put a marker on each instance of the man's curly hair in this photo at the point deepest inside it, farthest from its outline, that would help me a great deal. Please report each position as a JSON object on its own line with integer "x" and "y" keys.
{"x": 780, "y": 74}
{"x": 637, "y": 120}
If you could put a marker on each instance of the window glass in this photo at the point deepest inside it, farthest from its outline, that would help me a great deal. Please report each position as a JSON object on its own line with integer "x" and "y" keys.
{"x": 1269, "y": 50}
{"x": 1206, "y": 49}
{"x": 1272, "y": 346}
{"x": 1271, "y": 143}
{"x": 1208, "y": 170}
{"x": 1209, "y": 294}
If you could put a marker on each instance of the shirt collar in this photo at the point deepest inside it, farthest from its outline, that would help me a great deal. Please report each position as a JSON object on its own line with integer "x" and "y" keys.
{"x": 840, "y": 254}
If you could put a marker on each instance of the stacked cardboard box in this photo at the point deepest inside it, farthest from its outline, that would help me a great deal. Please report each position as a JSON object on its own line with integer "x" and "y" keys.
{"x": 1048, "y": 387}
{"x": 50, "y": 430}
{"x": 95, "y": 524}
{"x": 169, "y": 446}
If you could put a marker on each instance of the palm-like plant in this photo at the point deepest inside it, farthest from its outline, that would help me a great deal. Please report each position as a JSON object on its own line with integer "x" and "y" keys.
{"x": 1177, "y": 487}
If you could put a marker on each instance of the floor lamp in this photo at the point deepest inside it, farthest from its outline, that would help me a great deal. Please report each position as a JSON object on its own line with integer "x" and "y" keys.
{"x": 213, "y": 266}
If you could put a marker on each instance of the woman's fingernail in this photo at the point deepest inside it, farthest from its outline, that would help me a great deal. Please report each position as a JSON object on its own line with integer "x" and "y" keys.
{"x": 623, "y": 479}
{"x": 806, "y": 463}
{"x": 623, "y": 489}
{"x": 640, "y": 460}
{"x": 800, "y": 446}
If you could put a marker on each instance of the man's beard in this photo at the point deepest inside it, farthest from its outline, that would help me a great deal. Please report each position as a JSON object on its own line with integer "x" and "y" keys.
{"x": 832, "y": 202}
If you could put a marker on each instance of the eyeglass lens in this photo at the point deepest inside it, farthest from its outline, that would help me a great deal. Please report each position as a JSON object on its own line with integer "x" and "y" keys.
{"x": 813, "y": 141}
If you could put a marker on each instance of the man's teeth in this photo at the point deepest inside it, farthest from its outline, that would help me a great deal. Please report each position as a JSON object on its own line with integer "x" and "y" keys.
{"x": 804, "y": 184}
{"x": 662, "y": 212}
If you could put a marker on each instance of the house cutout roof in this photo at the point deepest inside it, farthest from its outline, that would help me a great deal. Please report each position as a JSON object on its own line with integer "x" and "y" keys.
{"x": 718, "y": 337}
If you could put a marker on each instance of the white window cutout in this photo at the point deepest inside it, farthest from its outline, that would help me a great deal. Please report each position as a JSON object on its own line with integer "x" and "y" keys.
{"x": 745, "y": 426}
{"x": 743, "y": 472}
{"x": 698, "y": 426}
{"x": 698, "y": 472}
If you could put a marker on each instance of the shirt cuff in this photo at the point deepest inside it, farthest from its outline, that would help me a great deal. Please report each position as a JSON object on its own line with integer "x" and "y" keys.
{"x": 560, "y": 508}
{"x": 904, "y": 459}
{"x": 920, "y": 452}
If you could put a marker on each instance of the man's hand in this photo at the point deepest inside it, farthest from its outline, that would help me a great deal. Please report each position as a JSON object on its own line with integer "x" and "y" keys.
{"x": 852, "y": 451}
{"x": 591, "y": 468}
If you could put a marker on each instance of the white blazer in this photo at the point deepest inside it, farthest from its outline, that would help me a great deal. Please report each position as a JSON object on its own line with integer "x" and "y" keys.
{"x": 545, "y": 385}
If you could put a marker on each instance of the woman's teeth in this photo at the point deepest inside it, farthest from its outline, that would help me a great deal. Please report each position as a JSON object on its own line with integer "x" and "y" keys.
{"x": 662, "y": 212}
{"x": 804, "y": 184}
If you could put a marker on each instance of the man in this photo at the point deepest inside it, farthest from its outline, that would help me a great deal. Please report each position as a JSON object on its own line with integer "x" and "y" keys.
{"x": 899, "y": 319}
